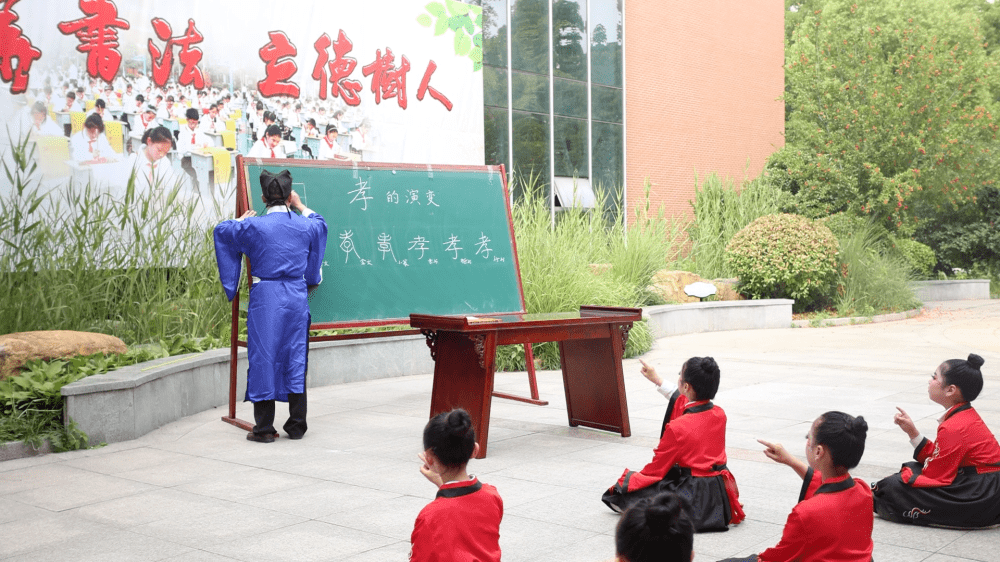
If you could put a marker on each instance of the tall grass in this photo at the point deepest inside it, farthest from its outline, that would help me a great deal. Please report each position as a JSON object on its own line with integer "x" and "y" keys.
{"x": 873, "y": 280}
{"x": 139, "y": 265}
{"x": 720, "y": 211}
{"x": 564, "y": 266}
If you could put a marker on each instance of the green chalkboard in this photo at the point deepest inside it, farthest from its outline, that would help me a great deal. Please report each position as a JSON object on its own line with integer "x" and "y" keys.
{"x": 403, "y": 239}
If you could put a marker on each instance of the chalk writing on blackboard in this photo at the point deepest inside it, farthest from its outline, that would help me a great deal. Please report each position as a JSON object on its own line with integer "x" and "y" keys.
{"x": 360, "y": 194}
{"x": 385, "y": 246}
{"x": 392, "y": 197}
{"x": 347, "y": 245}
{"x": 483, "y": 246}
{"x": 419, "y": 244}
{"x": 430, "y": 199}
{"x": 453, "y": 246}
{"x": 414, "y": 196}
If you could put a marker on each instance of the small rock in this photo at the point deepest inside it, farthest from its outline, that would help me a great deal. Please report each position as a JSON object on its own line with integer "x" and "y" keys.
{"x": 18, "y": 348}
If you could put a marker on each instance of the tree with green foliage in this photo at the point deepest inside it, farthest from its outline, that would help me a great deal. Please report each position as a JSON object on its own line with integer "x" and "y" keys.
{"x": 890, "y": 108}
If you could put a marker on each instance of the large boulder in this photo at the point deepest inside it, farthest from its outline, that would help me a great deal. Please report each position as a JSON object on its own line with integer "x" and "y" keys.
{"x": 670, "y": 286}
{"x": 20, "y": 347}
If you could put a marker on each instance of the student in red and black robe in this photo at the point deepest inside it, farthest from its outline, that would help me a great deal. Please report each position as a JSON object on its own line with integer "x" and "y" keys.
{"x": 690, "y": 459}
{"x": 463, "y": 521}
{"x": 833, "y": 520}
{"x": 955, "y": 481}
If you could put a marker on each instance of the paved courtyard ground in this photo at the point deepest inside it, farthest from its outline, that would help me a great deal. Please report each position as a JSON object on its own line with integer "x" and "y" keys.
{"x": 196, "y": 490}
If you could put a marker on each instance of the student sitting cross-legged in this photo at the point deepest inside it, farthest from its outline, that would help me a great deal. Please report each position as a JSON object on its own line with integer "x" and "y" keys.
{"x": 690, "y": 459}
{"x": 955, "y": 481}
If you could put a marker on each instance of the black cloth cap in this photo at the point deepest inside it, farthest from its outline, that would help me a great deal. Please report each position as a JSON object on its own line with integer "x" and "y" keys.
{"x": 276, "y": 187}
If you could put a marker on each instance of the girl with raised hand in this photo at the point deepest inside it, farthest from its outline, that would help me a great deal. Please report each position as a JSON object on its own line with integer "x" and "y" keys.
{"x": 833, "y": 519}
{"x": 690, "y": 458}
{"x": 463, "y": 521}
{"x": 955, "y": 481}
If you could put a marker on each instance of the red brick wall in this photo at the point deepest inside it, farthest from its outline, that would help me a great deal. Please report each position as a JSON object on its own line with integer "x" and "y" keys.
{"x": 702, "y": 81}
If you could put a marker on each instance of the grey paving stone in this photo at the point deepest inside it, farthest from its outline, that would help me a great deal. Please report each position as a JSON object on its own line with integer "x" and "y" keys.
{"x": 392, "y": 517}
{"x": 310, "y": 541}
{"x": 110, "y": 546}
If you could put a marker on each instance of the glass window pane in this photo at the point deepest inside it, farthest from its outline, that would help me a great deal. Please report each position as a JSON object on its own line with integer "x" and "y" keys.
{"x": 495, "y": 135}
{"x": 606, "y": 42}
{"x": 570, "y": 98}
{"x": 608, "y": 158}
{"x": 531, "y": 92}
{"x": 495, "y": 32}
{"x": 607, "y": 104}
{"x": 494, "y": 86}
{"x": 569, "y": 43}
{"x": 571, "y": 152}
{"x": 531, "y": 147}
{"x": 530, "y": 35}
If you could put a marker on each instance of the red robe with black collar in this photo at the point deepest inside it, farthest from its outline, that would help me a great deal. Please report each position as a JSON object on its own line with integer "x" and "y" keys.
{"x": 832, "y": 522}
{"x": 693, "y": 437}
{"x": 963, "y": 440}
{"x": 462, "y": 524}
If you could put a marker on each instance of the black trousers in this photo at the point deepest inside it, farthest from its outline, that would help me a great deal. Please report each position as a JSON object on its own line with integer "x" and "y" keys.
{"x": 295, "y": 427}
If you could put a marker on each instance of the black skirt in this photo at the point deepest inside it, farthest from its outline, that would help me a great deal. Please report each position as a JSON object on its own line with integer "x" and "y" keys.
{"x": 705, "y": 496}
{"x": 971, "y": 501}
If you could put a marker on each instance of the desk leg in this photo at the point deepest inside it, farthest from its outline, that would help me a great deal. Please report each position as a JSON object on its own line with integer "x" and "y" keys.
{"x": 594, "y": 384}
{"x": 204, "y": 187}
{"x": 461, "y": 381}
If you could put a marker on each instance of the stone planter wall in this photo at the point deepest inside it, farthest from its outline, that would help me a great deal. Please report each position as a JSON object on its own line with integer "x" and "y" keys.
{"x": 964, "y": 289}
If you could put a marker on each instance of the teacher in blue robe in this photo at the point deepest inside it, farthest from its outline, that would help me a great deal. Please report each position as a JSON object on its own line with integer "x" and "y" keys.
{"x": 285, "y": 250}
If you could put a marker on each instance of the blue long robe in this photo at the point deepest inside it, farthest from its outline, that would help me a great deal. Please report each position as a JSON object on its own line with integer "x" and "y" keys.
{"x": 286, "y": 254}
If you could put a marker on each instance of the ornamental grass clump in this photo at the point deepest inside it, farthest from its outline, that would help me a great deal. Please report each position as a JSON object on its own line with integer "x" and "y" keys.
{"x": 785, "y": 256}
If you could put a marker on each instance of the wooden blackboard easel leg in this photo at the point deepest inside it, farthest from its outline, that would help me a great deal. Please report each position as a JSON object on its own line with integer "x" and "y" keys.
{"x": 529, "y": 359}
{"x": 233, "y": 347}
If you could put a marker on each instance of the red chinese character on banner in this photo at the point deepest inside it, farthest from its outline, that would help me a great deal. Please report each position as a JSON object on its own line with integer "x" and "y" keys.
{"x": 339, "y": 68}
{"x": 13, "y": 45}
{"x": 425, "y": 86}
{"x": 280, "y": 66}
{"x": 387, "y": 81}
{"x": 189, "y": 56}
{"x": 98, "y": 37}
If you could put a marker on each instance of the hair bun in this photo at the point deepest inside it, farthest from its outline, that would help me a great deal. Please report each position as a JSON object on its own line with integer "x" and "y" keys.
{"x": 975, "y": 361}
{"x": 860, "y": 425}
{"x": 458, "y": 423}
{"x": 663, "y": 511}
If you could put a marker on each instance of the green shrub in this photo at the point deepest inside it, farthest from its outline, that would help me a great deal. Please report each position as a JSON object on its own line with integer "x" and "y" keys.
{"x": 785, "y": 256}
{"x": 920, "y": 257}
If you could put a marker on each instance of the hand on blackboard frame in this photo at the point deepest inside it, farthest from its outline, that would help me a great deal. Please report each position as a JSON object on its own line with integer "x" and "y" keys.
{"x": 294, "y": 203}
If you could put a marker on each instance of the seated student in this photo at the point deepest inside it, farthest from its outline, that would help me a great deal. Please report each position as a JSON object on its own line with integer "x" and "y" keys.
{"x": 90, "y": 145}
{"x": 71, "y": 102}
{"x": 690, "y": 459}
{"x": 210, "y": 122}
{"x": 269, "y": 146}
{"x": 833, "y": 520}
{"x": 146, "y": 121}
{"x": 956, "y": 479}
{"x": 463, "y": 521}
{"x": 41, "y": 124}
{"x": 329, "y": 148}
{"x": 310, "y": 129}
{"x": 191, "y": 139}
{"x": 99, "y": 108}
{"x": 149, "y": 165}
{"x": 656, "y": 529}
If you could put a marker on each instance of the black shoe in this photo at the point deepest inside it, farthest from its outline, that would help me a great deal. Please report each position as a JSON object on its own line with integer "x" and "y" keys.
{"x": 260, "y": 438}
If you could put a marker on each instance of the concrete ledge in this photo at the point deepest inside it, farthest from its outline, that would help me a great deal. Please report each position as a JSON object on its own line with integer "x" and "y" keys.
{"x": 717, "y": 316}
{"x": 132, "y": 401}
{"x": 852, "y": 320}
{"x": 952, "y": 290}
{"x": 20, "y": 450}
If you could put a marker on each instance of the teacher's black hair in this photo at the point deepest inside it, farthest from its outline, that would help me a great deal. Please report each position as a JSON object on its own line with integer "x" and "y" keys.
{"x": 702, "y": 373}
{"x": 844, "y": 436}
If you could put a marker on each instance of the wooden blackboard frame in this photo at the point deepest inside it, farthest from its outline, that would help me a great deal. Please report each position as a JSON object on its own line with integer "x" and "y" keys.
{"x": 243, "y": 204}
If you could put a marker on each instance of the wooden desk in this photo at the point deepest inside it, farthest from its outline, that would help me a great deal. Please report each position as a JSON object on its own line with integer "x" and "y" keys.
{"x": 203, "y": 165}
{"x": 216, "y": 138}
{"x": 591, "y": 344}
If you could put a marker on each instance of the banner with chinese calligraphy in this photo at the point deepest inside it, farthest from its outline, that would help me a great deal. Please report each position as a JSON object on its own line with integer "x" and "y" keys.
{"x": 399, "y": 81}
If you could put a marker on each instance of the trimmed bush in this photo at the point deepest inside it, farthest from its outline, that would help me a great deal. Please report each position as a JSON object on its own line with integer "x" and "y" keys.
{"x": 920, "y": 257}
{"x": 785, "y": 256}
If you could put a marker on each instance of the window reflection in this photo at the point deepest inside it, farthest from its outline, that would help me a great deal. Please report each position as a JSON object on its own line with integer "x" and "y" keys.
{"x": 569, "y": 29}
{"x": 495, "y": 136}
{"x": 606, "y": 42}
{"x": 531, "y": 146}
{"x": 495, "y": 33}
{"x": 571, "y": 148}
{"x": 530, "y": 35}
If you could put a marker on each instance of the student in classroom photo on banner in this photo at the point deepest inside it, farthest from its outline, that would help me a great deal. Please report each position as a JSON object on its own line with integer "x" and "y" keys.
{"x": 285, "y": 250}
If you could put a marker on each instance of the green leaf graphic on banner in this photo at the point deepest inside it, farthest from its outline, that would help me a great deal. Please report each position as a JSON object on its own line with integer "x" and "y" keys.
{"x": 457, "y": 8}
{"x": 476, "y": 54}
{"x": 424, "y": 20}
{"x": 477, "y": 39}
{"x": 477, "y": 10}
{"x": 441, "y": 26}
{"x": 462, "y": 44}
{"x": 436, "y": 8}
{"x": 477, "y": 66}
